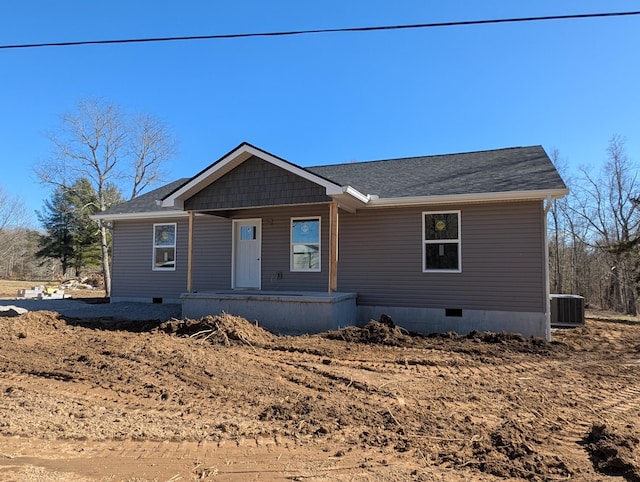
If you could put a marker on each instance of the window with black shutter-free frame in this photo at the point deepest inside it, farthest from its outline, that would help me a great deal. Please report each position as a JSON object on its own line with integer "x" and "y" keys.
{"x": 441, "y": 241}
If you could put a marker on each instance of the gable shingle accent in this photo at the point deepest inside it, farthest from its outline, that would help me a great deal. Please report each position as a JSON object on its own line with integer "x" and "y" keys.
{"x": 256, "y": 183}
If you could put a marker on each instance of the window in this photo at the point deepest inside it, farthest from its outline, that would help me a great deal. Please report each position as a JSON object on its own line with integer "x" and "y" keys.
{"x": 441, "y": 243}
{"x": 164, "y": 246}
{"x": 305, "y": 244}
{"x": 247, "y": 233}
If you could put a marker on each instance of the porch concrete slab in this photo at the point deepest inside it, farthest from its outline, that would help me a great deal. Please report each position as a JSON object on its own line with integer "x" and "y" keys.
{"x": 290, "y": 313}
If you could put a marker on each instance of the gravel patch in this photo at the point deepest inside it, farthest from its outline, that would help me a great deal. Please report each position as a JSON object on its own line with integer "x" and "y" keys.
{"x": 120, "y": 310}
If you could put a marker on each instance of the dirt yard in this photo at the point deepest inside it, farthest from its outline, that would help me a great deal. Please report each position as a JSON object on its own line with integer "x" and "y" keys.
{"x": 221, "y": 399}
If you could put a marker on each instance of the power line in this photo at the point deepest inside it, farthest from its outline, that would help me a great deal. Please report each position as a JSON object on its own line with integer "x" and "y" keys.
{"x": 323, "y": 30}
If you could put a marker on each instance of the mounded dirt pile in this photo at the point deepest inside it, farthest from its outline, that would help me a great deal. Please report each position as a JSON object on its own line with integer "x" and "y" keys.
{"x": 512, "y": 341}
{"x": 614, "y": 452}
{"x": 386, "y": 332}
{"x": 515, "y": 450}
{"x": 221, "y": 329}
{"x": 33, "y": 323}
{"x": 383, "y": 332}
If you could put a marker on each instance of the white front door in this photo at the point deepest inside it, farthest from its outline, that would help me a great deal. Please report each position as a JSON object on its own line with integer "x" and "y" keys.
{"x": 247, "y": 244}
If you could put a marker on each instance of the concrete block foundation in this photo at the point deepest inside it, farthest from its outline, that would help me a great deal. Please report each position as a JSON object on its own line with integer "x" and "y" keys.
{"x": 438, "y": 320}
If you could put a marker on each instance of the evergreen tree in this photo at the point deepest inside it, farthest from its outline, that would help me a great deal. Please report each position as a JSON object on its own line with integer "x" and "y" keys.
{"x": 85, "y": 240}
{"x": 72, "y": 236}
{"x": 57, "y": 219}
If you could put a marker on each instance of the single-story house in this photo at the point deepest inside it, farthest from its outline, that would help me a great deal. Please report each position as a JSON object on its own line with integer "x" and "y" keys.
{"x": 439, "y": 243}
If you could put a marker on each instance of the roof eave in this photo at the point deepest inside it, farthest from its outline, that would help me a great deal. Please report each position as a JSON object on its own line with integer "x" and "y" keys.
{"x": 139, "y": 215}
{"x": 470, "y": 198}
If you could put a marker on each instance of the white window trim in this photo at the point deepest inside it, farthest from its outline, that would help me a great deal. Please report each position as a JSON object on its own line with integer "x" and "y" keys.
{"x": 442, "y": 241}
{"x": 291, "y": 244}
{"x": 175, "y": 247}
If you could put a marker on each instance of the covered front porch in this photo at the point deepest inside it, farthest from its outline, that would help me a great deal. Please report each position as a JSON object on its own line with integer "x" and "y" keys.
{"x": 290, "y": 313}
{"x": 280, "y": 246}
{"x": 265, "y": 286}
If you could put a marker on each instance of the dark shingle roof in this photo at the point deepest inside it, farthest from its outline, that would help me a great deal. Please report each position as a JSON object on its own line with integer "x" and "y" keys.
{"x": 146, "y": 203}
{"x": 495, "y": 171}
{"x": 501, "y": 170}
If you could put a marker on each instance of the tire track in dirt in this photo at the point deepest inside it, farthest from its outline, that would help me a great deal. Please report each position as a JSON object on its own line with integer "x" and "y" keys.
{"x": 589, "y": 395}
{"x": 458, "y": 403}
{"x": 619, "y": 402}
{"x": 568, "y": 421}
{"x": 91, "y": 392}
{"x": 315, "y": 378}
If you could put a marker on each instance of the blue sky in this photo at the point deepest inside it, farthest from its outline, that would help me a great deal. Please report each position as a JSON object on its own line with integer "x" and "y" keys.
{"x": 568, "y": 84}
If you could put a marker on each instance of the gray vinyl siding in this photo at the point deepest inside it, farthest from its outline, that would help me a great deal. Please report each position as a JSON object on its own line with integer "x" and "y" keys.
{"x": 211, "y": 253}
{"x": 380, "y": 257}
{"x": 276, "y": 248}
{"x": 132, "y": 270}
{"x": 502, "y": 258}
{"x": 133, "y": 275}
{"x": 256, "y": 183}
{"x": 132, "y": 266}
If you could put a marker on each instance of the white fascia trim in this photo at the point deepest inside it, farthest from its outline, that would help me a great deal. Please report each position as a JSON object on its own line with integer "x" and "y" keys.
{"x": 142, "y": 215}
{"x": 234, "y": 159}
{"x": 363, "y": 198}
{"x": 469, "y": 198}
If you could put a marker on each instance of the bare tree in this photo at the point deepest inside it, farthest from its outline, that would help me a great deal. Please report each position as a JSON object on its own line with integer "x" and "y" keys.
{"x": 13, "y": 212}
{"x": 558, "y": 245}
{"x": 569, "y": 256}
{"x": 17, "y": 256}
{"x": 12, "y": 217}
{"x": 100, "y": 142}
{"x": 605, "y": 205}
{"x": 151, "y": 145}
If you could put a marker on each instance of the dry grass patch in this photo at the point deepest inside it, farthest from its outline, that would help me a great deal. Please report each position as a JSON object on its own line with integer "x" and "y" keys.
{"x": 9, "y": 289}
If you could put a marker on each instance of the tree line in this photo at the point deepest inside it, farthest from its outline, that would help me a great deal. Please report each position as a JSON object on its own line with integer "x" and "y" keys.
{"x": 594, "y": 233}
{"x": 18, "y": 244}
{"x": 66, "y": 246}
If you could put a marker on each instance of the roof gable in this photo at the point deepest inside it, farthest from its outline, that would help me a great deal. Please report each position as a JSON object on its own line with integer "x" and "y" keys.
{"x": 233, "y": 159}
{"x": 256, "y": 183}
